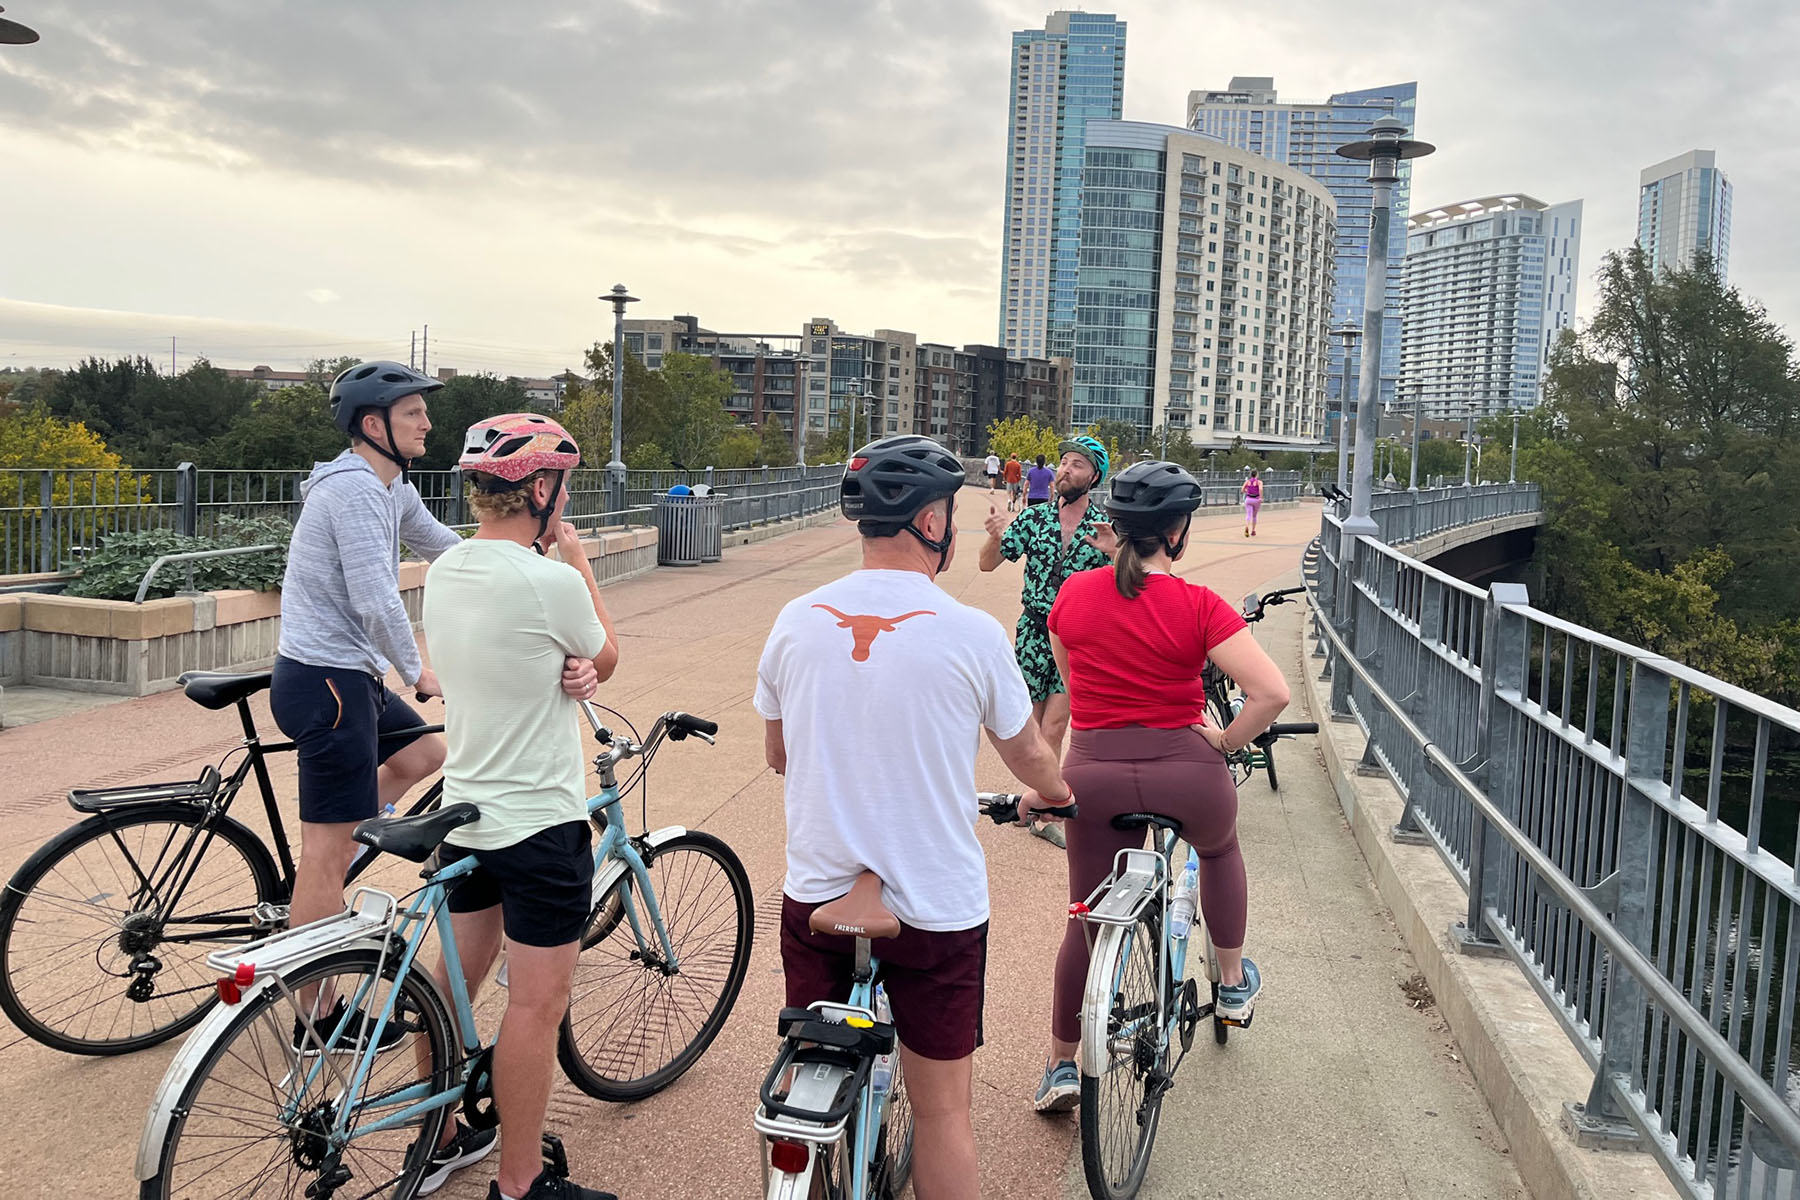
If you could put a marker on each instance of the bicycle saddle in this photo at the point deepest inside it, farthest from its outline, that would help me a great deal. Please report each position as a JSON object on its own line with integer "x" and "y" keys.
{"x": 858, "y": 912}
{"x": 414, "y": 837}
{"x": 1126, "y": 822}
{"x": 216, "y": 689}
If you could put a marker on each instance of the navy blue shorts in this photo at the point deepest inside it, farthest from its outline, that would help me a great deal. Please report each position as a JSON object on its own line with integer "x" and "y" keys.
{"x": 543, "y": 884}
{"x": 335, "y": 715}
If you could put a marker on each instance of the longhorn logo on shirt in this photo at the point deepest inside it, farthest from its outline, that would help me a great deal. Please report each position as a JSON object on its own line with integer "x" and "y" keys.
{"x": 865, "y": 629}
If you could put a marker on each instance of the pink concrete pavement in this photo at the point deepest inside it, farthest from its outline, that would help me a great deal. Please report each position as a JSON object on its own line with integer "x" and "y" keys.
{"x": 690, "y": 640}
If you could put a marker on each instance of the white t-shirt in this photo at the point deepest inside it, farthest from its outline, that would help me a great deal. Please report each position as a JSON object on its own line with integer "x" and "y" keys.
{"x": 993, "y": 464}
{"x": 499, "y": 620}
{"x": 882, "y": 684}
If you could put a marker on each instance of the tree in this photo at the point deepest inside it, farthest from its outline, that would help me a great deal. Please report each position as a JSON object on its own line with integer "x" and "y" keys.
{"x": 1121, "y": 439}
{"x": 1668, "y": 448}
{"x": 777, "y": 444}
{"x": 323, "y": 372}
{"x": 1022, "y": 436}
{"x": 144, "y": 415}
{"x": 738, "y": 447}
{"x": 286, "y": 428}
{"x": 694, "y": 420}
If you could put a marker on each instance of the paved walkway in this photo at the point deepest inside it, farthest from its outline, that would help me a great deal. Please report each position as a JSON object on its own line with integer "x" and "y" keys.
{"x": 1344, "y": 1087}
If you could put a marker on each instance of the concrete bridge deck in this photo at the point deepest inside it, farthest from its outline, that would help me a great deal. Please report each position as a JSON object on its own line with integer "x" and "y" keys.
{"x": 1349, "y": 1085}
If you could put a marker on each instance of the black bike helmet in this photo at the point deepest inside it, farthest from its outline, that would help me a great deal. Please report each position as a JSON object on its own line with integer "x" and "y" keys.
{"x": 890, "y": 481}
{"x": 379, "y": 383}
{"x": 1149, "y": 497}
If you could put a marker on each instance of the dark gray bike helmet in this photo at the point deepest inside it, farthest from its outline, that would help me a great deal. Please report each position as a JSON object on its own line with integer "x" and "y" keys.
{"x": 379, "y": 383}
{"x": 1149, "y": 497}
{"x": 890, "y": 481}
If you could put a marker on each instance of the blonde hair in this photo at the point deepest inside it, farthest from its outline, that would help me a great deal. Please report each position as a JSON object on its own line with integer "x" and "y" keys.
{"x": 497, "y": 506}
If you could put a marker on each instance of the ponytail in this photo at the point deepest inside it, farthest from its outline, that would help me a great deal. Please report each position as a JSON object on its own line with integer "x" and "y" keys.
{"x": 1128, "y": 566}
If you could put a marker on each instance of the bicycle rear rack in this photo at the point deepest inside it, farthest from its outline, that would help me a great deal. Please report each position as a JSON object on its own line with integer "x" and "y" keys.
{"x": 185, "y": 791}
{"x": 1123, "y": 895}
{"x": 370, "y": 915}
{"x": 829, "y": 1050}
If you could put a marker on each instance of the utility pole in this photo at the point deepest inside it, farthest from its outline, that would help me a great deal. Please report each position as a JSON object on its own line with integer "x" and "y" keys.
{"x": 425, "y": 353}
{"x": 1384, "y": 150}
{"x": 412, "y": 355}
{"x": 172, "y": 370}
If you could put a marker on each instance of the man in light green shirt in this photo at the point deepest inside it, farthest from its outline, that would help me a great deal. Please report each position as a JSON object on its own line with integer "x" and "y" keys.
{"x": 499, "y": 619}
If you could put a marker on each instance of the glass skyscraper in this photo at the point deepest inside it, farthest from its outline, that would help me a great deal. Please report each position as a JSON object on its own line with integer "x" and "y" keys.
{"x": 1684, "y": 205}
{"x": 1307, "y": 136}
{"x": 1063, "y": 74}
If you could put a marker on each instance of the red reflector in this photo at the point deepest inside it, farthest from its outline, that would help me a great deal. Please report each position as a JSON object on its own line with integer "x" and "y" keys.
{"x": 788, "y": 1157}
{"x": 856, "y": 464}
{"x": 245, "y": 975}
{"x": 1078, "y": 909}
{"x": 229, "y": 992}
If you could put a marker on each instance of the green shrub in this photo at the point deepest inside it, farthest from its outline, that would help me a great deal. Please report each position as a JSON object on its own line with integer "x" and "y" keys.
{"x": 116, "y": 569}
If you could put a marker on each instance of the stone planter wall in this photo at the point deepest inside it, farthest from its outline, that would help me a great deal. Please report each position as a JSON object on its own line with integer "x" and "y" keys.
{"x": 117, "y": 647}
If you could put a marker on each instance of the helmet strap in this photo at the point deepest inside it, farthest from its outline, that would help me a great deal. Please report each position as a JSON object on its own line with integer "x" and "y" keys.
{"x": 387, "y": 451}
{"x": 1174, "y": 551}
{"x": 543, "y": 514}
{"x": 941, "y": 545}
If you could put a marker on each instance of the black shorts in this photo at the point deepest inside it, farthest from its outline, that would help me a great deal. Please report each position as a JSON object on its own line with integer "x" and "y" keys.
{"x": 336, "y": 716}
{"x": 544, "y": 885}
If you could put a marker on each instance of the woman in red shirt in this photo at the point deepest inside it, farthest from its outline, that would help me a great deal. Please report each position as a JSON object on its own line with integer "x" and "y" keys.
{"x": 1131, "y": 643}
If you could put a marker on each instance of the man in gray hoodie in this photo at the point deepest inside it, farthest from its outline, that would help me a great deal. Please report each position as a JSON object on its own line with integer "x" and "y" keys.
{"x": 343, "y": 625}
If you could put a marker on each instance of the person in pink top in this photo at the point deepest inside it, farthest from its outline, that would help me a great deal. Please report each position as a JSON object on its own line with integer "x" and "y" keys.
{"x": 1131, "y": 641}
{"x": 1252, "y": 493}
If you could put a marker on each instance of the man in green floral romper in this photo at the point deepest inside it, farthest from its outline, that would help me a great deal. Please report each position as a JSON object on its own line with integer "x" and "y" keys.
{"x": 1056, "y": 541}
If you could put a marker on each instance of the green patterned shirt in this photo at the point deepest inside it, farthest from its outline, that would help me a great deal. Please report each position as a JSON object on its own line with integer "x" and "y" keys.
{"x": 1036, "y": 533}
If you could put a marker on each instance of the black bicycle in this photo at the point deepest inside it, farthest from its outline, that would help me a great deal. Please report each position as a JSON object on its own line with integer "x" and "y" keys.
{"x": 1224, "y": 698}
{"x": 104, "y": 931}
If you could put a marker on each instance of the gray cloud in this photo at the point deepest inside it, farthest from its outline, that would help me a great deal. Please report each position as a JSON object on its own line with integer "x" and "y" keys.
{"x": 860, "y": 142}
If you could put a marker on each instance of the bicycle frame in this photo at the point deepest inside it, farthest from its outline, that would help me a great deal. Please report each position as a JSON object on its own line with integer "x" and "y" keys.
{"x": 870, "y": 1109}
{"x": 260, "y": 965}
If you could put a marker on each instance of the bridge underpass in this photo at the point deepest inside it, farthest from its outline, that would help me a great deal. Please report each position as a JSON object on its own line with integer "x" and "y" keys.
{"x": 1349, "y": 1084}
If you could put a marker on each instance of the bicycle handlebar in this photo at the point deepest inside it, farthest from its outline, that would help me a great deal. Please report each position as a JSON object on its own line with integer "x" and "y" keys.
{"x": 1003, "y": 807}
{"x": 1284, "y": 729}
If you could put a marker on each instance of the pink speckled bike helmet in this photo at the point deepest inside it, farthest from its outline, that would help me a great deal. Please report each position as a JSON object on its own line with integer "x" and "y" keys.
{"x": 514, "y": 445}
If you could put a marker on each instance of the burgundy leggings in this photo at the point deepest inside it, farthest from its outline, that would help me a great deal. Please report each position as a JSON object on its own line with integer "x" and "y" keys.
{"x": 1177, "y": 773}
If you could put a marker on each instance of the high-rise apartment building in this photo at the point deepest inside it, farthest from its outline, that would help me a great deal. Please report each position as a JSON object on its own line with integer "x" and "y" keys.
{"x": 1206, "y": 285}
{"x": 1487, "y": 286}
{"x": 1063, "y": 75}
{"x": 1684, "y": 205}
{"x": 1307, "y": 135}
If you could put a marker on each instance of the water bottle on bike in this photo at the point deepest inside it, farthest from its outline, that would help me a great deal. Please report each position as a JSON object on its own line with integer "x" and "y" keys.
{"x": 1181, "y": 900}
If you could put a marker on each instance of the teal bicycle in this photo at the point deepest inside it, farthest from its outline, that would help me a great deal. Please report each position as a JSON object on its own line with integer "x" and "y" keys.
{"x": 834, "y": 1116}
{"x": 282, "y": 1092}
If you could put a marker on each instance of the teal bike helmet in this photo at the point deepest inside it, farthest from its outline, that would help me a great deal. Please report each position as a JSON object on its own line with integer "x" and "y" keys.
{"x": 1092, "y": 449}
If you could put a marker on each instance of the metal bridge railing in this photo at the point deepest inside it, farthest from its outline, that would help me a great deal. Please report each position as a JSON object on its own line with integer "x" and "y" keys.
{"x": 1626, "y": 829}
{"x": 50, "y": 518}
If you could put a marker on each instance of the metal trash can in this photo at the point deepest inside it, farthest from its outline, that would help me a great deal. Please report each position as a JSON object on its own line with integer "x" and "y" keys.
{"x": 689, "y": 530}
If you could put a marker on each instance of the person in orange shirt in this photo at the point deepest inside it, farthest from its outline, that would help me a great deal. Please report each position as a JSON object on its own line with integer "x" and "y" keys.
{"x": 1013, "y": 473}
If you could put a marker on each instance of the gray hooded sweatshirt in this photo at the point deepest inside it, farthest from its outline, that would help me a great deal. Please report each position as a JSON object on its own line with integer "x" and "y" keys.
{"x": 340, "y": 599}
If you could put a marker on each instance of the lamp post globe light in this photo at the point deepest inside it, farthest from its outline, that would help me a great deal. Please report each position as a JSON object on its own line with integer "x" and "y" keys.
{"x": 1384, "y": 150}
{"x": 14, "y": 34}
{"x": 615, "y": 468}
{"x": 1349, "y": 333}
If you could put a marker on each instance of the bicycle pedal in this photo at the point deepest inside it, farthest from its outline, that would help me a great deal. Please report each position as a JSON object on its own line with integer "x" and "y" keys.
{"x": 556, "y": 1159}
{"x": 1234, "y": 1022}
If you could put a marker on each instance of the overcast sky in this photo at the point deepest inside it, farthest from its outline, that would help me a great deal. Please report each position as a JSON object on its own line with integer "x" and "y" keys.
{"x": 270, "y": 181}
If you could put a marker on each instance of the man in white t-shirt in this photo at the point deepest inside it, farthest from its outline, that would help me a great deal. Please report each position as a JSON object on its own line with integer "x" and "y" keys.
{"x": 875, "y": 690}
{"x": 993, "y": 471}
{"x": 499, "y": 619}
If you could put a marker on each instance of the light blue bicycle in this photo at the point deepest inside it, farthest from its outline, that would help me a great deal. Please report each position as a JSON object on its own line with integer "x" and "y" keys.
{"x": 289, "y": 1090}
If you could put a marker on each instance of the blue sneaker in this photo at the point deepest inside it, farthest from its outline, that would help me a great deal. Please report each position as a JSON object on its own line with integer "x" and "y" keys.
{"x": 1061, "y": 1088}
{"x": 1237, "y": 1003}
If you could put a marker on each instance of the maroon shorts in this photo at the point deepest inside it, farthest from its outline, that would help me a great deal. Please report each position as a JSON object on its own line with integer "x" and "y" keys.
{"x": 935, "y": 980}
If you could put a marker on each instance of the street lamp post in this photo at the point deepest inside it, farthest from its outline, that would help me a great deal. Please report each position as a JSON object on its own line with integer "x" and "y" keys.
{"x": 1468, "y": 448}
{"x": 615, "y": 468}
{"x": 1387, "y": 146}
{"x": 1512, "y": 472}
{"x": 799, "y": 406}
{"x": 1349, "y": 333}
{"x": 1412, "y": 472}
{"x": 852, "y": 402}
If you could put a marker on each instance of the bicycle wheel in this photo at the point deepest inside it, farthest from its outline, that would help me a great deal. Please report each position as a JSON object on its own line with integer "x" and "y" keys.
{"x": 632, "y": 1029}
{"x": 255, "y": 1117}
{"x": 1121, "y": 1106}
{"x": 90, "y": 903}
{"x": 894, "y": 1149}
{"x": 1268, "y": 753}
